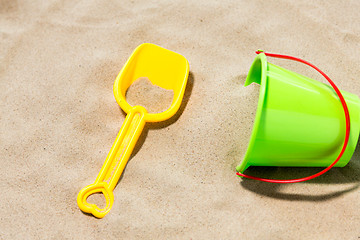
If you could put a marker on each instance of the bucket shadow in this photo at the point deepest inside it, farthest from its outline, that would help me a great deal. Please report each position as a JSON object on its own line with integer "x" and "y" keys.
{"x": 163, "y": 124}
{"x": 346, "y": 175}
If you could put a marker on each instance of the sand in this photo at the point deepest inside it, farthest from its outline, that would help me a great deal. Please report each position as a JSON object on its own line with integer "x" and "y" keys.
{"x": 153, "y": 98}
{"x": 59, "y": 118}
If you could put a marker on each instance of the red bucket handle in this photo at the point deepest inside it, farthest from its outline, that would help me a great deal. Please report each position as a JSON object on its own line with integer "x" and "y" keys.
{"x": 347, "y": 120}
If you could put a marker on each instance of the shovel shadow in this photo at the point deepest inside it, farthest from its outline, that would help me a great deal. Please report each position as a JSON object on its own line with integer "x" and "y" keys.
{"x": 166, "y": 123}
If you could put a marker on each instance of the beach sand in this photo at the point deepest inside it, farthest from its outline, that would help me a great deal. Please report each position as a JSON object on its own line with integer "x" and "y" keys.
{"x": 152, "y": 97}
{"x": 59, "y": 119}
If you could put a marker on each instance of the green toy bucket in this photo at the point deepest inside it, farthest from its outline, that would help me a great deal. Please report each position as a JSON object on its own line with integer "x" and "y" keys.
{"x": 299, "y": 121}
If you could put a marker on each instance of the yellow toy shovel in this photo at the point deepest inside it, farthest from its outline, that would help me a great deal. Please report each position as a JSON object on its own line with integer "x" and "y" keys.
{"x": 164, "y": 68}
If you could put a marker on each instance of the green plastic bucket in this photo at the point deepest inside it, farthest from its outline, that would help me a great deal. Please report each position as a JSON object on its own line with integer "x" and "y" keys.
{"x": 299, "y": 121}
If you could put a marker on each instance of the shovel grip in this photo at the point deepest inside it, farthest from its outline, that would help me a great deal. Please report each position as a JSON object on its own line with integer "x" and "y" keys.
{"x": 92, "y": 208}
{"x": 122, "y": 148}
{"x": 114, "y": 164}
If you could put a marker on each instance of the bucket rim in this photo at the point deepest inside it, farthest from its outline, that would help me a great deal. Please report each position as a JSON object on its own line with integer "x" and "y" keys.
{"x": 259, "y": 61}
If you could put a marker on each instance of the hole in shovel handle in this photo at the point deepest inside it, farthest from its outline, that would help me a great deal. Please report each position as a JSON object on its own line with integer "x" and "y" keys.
{"x": 93, "y": 208}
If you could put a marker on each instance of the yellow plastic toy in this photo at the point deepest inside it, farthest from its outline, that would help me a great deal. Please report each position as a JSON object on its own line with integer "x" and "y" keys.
{"x": 164, "y": 68}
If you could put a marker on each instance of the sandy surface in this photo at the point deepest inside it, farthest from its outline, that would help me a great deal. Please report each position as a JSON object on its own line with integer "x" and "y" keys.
{"x": 58, "y": 120}
{"x": 152, "y": 97}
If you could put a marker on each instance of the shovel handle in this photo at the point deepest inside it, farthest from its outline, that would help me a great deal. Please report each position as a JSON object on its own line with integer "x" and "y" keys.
{"x": 114, "y": 164}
